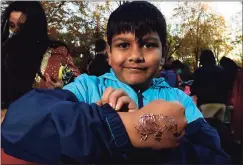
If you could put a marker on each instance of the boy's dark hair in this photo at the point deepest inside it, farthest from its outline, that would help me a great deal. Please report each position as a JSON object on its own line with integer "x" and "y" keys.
{"x": 138, "y": 17}
{"x": 207, "y": 57}
{"x": 100, "y": 45}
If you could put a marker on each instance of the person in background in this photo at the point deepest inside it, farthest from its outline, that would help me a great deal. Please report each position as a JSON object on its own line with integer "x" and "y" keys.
{"x": 169, "y": 75}
{"x": 182, "y": 70}
{"x": 99, "y": 65}
{"x": 210, "y": 86}
{"x": 234, "y": 79}
{"x": 169, "y": 60}
{"x": 29, "y": 58}
{"x": 230, "y": 70}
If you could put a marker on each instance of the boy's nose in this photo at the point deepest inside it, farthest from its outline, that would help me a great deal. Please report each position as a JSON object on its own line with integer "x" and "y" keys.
{"x": 136, "y": 55}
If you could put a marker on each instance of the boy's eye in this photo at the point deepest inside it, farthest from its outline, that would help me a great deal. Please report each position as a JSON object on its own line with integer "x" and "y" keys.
{"x": 123, "y": 45}
{"x": 150, "y": 45}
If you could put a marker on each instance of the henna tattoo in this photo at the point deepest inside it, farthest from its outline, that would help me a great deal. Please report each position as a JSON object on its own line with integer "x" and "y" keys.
{"x": 156, "y": 125}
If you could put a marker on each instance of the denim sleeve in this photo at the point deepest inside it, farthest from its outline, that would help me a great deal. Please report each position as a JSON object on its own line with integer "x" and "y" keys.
{"x": 203, "y": 139}
{"x": 205, "y": 142}
{"x": 45, "y": 125}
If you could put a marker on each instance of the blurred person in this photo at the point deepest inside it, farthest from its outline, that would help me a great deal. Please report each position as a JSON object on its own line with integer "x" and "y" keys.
{"x": 99, "y": 65}
{"x": 210, "y": 87}
{"x": 169, "y": 75}
{"x": 230, "y": 69}
{"x": 29, "y": 58}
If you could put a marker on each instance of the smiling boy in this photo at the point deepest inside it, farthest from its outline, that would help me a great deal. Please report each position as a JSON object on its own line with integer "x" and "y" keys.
{"x": 136, "y": 34}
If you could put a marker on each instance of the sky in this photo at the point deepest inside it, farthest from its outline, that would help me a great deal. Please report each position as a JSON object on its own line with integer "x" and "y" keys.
{"x": 226, "y": 9}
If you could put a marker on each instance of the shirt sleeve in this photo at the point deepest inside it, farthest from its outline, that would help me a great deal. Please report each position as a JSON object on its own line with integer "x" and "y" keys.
{"x": 191, "y": 111}
{"x": 78, "y": 87}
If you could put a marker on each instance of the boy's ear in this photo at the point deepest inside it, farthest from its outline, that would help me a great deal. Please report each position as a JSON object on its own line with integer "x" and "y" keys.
{"x": 108, "y": 50}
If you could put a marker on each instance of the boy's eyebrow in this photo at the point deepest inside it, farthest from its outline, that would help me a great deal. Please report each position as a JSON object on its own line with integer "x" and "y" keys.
{"x": 120, "y": 38}
{"x": 151, "y": 38}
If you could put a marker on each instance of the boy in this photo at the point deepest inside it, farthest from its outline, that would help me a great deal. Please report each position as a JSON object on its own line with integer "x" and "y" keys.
{"x": 136, "y": 33}
{"x": 136, "y": 37}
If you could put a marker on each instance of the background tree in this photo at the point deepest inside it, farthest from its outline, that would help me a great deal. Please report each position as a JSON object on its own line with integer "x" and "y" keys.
{"x": 200, "y": 29}
{"x": 80, "y": 23}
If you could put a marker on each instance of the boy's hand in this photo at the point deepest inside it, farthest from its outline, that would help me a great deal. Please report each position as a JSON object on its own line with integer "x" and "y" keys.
{"x": 160, "y": 110}
{"x": 118, "y": 100}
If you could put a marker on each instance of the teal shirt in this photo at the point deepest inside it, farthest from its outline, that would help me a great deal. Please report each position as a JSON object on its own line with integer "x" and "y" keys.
{"x": 90, "y": 90}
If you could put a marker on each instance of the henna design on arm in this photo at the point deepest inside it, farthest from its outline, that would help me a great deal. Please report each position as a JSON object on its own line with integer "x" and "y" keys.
{"x": 156, "y": 125}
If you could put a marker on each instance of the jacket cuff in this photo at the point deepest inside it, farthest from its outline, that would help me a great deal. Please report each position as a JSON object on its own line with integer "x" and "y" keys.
{"x": 116, "y": 127}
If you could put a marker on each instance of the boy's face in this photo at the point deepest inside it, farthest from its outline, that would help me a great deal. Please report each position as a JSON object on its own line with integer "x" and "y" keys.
{"x": 135, "y": 63}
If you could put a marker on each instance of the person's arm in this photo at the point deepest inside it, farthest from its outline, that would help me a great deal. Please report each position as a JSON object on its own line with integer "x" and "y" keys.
{"x": 45, "y": 126}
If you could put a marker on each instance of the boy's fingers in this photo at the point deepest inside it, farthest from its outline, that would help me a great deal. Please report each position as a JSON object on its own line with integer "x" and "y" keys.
{"x": 124, "y": 100}
{"x": 106, "y": 94}
{"x": 115, "y": 95}
{"x": 127, "y": 102}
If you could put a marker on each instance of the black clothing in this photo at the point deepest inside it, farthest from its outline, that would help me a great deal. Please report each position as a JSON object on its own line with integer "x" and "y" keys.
{"x": 99, "y": 65}
{"x": 209, "y": 85}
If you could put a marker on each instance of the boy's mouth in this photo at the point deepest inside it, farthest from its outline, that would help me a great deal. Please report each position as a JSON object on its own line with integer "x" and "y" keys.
{"x": 136, "y": 68}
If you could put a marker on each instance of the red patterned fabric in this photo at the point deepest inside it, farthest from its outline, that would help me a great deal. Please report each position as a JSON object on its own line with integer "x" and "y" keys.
{"x": 58, "y": 56}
